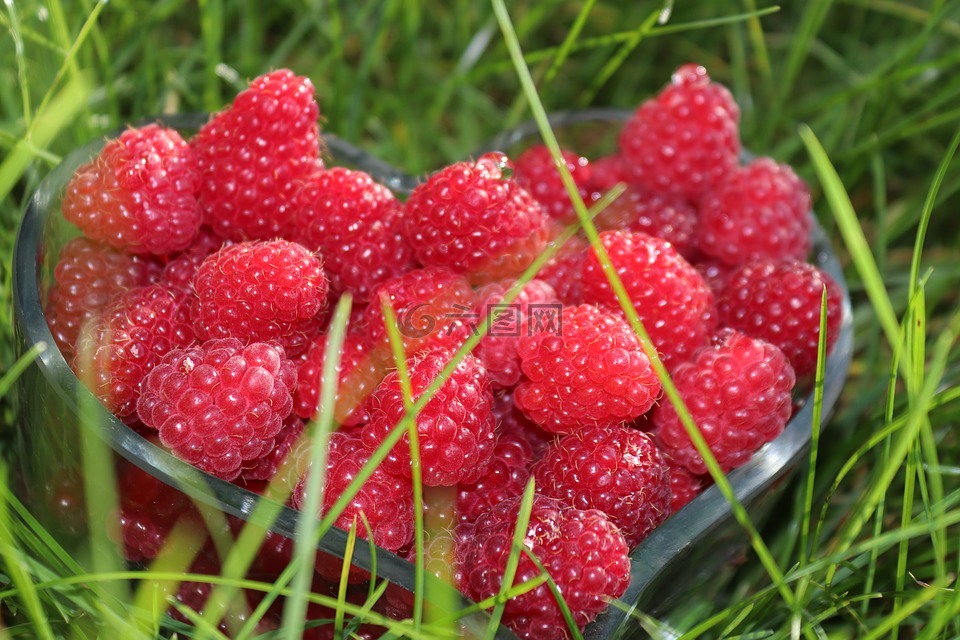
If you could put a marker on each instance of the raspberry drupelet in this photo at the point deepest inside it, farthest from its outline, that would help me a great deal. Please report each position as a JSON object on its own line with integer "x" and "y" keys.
{"x": 587, "y": 368}
{"x": 497, "y": 349}
{"x": 537, "y": 172}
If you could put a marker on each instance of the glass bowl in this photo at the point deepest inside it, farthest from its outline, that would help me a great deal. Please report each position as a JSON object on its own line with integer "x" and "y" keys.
{"x": 698, "y": 548}
{"x": 691, "y": 551}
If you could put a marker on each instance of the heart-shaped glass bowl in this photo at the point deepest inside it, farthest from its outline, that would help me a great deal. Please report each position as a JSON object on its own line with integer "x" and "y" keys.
{"x": 691, "y": 552}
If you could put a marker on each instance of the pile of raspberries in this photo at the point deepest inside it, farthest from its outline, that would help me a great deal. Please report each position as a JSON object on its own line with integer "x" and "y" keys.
{"x": 195, "y": 303}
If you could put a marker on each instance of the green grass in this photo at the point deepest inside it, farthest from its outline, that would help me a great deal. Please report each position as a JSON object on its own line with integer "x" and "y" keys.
{"x": 858, "y": 95}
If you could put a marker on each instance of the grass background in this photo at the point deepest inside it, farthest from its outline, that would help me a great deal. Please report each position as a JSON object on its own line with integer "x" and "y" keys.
{"x": 874, "y": 82}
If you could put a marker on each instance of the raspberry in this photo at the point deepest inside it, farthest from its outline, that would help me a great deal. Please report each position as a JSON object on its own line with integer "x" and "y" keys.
{"x": 149, "y": 509}
{"x": 266, "y": 468}
{"x": 737, "y": 391}
{"x": 761, "y": 211}
{"x": 505, "y": 478}
{"x": 220, "y": 405}
{"x": 498, "y": 347}
{"x": 116, "y": 351}
{"x": 511, "y": 421}
{"x": 780, "y": 302}
{"x": 589, "y": 368}
{"x": 562, "y": 271}
{"x": 385, "y": 501}
{"x": 666, "y": 217}
{"x": 684, "y": 141}
{"x": 582, "y": 551}
{"x": 685, "y": 486}
{"x": 471, "y": 217}
{"x": 254, "y": 154}
{"x": 181, "y": 269}
{"x": 671, "y": 298}
{"x": 88, "y": 276}
{"x": 608, "y": 171}
{"x": 455, "y": 427}
{"x": 616, "y": 469}
{"x": 259, "y": 291}
{"x": 356, "y": 224}
{"x": 361, "y": 370}
{"x": 430, "y": 305}
{"x": 537, "y": 172}
{"x": 140, "y": 194}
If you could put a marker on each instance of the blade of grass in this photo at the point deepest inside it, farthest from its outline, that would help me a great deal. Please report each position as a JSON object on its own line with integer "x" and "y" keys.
{"x": 563, "y": 51}
{"x": 513, "y": 559}
{"x": 149, "y": 603}
{"x": 413, "y": 443}
{"x": 16, "y": 567}
{"x": 572, "y": 629}
{"x": 304, "y": 551}
{"x": 47, "y": 124}
{"x": 211, "y": 28}
{"x": 617, "y": 59}
{"x": 817, "y": 417}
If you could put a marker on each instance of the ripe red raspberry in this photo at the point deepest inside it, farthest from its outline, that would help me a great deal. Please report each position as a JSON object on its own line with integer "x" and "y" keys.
{"x": 254, "y": 154}
{"x": 385, "y": 500}
{"x": 608, "y": 171}
{"x": 616, "y": 469}
{"x": 181, "y": 270}
{"x": 674, "y": 303}
{"x": 684, "y": 141}
{"x": 473, "y": 218}
{"x": 583, "y": 552}
{"x": 149, "y": 509}
{"x": 779, "y": 301}
{"x": 88, "y": 276}
{"x": 685, "y": 486}
{"x": 588, "y": 368}
{"x": 537, "y": 172}
{"x": 140, "y": 194}
{"x": 265, "y": 468}
{"x": 511, "y": 421}
{"x": 663, "y": 216}
{"x": 761, "y": 211}
{"x": 497, "y": 349}
{"x": 506, "y": 477}
{"x": 455, "y": 427}
{"x": 259, "y": 291}
{"x": 737, "y": 391}
{"x": 432, "y": 305}
{"x": 117, "y": 350}
{"x": 219, "y": 405}
{"x": 356, "y": 223}
{"x": 361, "y": 370}
{"x": 563, "y": 270}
